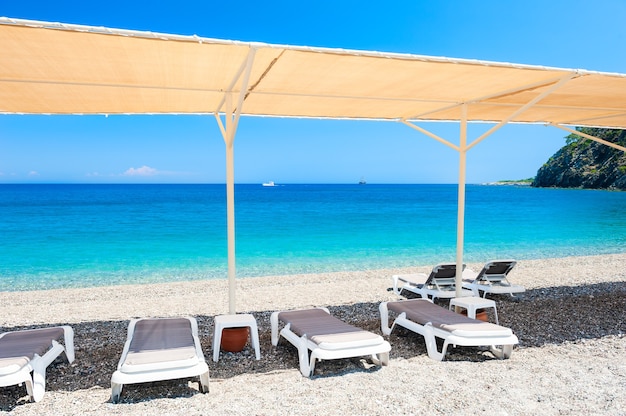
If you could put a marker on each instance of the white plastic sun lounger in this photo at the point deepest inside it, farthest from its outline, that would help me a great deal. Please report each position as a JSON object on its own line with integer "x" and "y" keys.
{"x": 327, "y": 338}
{"x": 492, "y": 279}
{"x": 440, "y": 283}
{"x": 32, "y": 351}
{"x": 160, "y": 349}
{"x": 432, "y": 321}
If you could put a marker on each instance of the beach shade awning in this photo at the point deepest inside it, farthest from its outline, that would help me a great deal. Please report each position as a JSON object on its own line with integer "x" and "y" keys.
{"x": 54, "y": 68}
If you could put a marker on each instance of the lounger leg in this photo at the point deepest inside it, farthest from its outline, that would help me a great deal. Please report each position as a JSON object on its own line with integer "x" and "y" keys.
{"x": 29, "y": 388}
{"x": 384, "y": 319}
{"x": 502, "y": 353}
{"x": 204, "y": 382}
{"x": 507, "y": 350}
{"x": 496, "y": 351}
{"x": 274, "y": 324}
{"x": 39, "y": 381}
{"x": 306, "y": 367}
{"x": 431, "y": 344}
{"x": 116, "y": 391}
{"x": 312, "y": 362}
{"x": 381, "y": 359}
{"x": 69, "y": 343}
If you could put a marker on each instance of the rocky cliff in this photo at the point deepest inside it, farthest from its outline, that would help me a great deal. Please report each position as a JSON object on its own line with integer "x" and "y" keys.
{"x": 583, "y": 163}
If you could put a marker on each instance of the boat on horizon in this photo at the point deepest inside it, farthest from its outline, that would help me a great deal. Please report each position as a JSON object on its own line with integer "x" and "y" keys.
{"x": 362, "y": 181}
{"x": 270, "y": 183}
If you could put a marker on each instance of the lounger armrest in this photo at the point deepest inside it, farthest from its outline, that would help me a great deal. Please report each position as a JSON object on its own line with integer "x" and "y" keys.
{"x": 406, "y": 281}
{"x": 470, "y": 285}
{"x": 469, "y": 276}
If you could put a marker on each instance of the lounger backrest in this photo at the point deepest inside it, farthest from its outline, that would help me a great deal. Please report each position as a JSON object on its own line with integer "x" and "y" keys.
{"x": 422, "y": 312}
{"x": 19, "y": 347}
{"x": 159, "y": 340}
{"x": 495, "y": 271}
{"x": 443, "y": 276}
{"x": 311, "y": 322}
{"x": 30, "y": 342}
{"x": 327, "y": 331}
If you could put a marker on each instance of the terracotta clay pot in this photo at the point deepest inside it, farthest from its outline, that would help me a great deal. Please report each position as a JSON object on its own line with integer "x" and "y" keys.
{"x": 234, "y": 339}
{"x": 481, "y": 314}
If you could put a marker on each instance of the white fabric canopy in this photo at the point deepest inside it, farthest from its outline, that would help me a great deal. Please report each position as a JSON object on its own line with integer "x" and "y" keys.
{"x": 67, "y": 69}
{"x": 53, "y": 68}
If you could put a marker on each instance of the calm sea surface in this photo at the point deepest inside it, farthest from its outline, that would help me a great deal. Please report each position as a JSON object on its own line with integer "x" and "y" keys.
{"x": 92, "y": 235}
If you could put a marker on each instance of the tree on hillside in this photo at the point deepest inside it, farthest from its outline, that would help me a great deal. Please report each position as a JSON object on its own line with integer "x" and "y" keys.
{"x": 584, "y": 163}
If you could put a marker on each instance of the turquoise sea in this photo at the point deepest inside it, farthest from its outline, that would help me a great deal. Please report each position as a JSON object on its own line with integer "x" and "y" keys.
{"x": 92, "y": 235}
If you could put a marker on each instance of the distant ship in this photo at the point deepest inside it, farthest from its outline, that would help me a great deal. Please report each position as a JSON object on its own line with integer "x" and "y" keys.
{"x": 362, "y": 181}
{"x": 270, "y": 183}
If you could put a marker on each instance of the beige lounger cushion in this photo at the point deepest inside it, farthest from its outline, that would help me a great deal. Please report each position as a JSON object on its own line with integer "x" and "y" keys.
{"x": 423, "y": 311}
{"x": 166, "y": 342}
{"x": 326, "y": 331}
{"x": 18, "y": 348}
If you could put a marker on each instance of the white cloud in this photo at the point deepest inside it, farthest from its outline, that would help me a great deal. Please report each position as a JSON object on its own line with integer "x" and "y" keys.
{"x": 142, "y": 171}
{"x": 33, "y": 173}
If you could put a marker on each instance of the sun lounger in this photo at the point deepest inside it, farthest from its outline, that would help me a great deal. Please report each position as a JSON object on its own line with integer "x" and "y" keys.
{"x": 440, "y": 283}
{"x": 32, "y": 351}
{"x": 160, "y": 349}
{"x": 492, "y": 279}
{"x": 327, "y": 338}
{"x": 432, "y": 321}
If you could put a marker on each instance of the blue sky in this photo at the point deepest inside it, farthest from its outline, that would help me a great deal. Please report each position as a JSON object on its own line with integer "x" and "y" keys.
{"x": 189, "y": 149}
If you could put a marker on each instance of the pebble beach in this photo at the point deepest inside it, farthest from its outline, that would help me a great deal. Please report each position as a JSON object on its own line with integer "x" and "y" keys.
{"x": 570, "y": 359}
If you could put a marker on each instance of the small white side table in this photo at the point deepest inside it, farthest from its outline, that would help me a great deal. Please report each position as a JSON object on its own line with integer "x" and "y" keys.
{"x": 472, "y": 303}
{"x": 235, "y": 321}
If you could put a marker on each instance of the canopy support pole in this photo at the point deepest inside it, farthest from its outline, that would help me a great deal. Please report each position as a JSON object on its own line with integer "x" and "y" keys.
{"x": 562, "y": 81}
{"x": 431, "y": 135}
{"x": 590, "y": 137}
{"x": 460, "y": 220}
{"x": 463, "y": 148}
{"x": 516, "y": 90}
{"x": 232, "y": 115}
